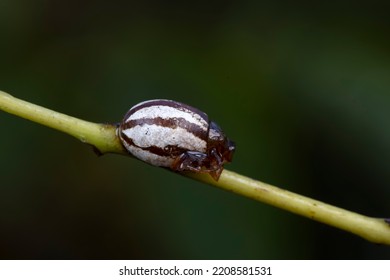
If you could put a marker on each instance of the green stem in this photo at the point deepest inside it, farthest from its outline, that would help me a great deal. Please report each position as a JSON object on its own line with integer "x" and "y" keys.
{"x": 375, "y": 230}
{"x": 101, "y": 136}
{"x": 104, "y": 138}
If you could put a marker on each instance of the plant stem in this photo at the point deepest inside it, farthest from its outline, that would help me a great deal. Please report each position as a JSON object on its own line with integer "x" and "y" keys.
{"x": 104, "y": 138}
{"x": 101, "y": 136}
{"x": 375, "y": 230}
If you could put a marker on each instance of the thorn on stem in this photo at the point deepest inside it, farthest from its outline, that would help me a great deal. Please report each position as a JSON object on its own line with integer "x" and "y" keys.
{"x": 96, "y": 151}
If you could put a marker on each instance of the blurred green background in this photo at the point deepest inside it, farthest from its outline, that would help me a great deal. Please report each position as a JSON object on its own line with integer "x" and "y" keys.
{"x": 302, "y": 88}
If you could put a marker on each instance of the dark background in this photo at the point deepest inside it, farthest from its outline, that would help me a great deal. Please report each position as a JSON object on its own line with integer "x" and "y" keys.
{"x": 303, "y": 89}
